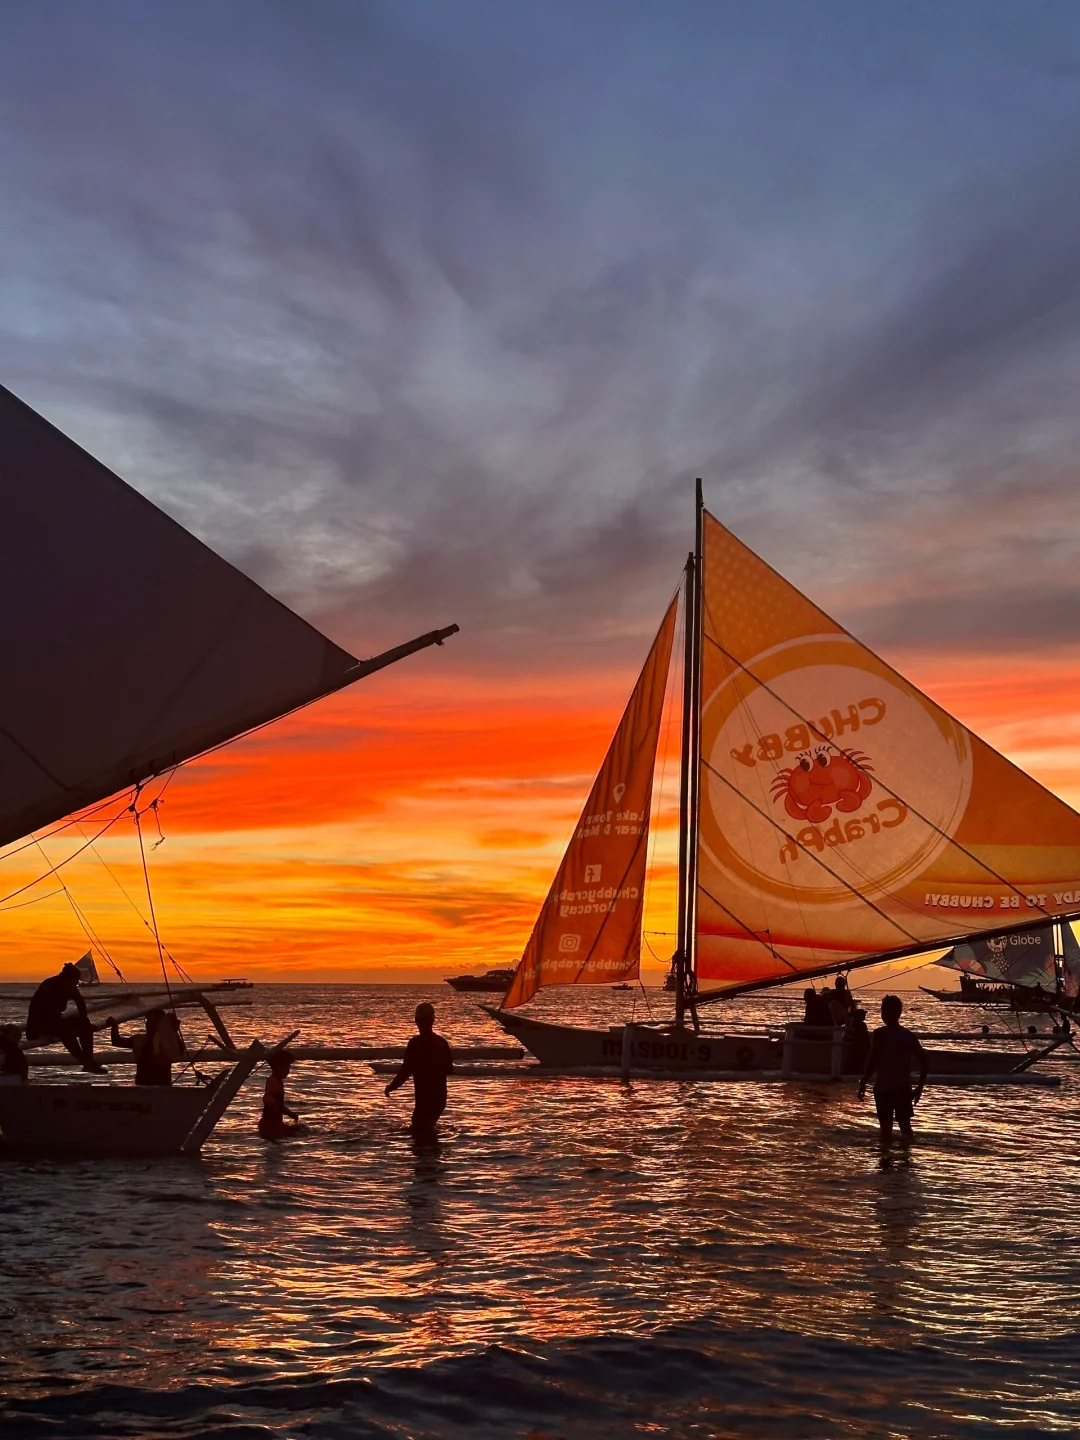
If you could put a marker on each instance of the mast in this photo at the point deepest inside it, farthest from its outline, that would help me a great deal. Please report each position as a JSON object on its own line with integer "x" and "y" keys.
{"x": 685, "y": 970}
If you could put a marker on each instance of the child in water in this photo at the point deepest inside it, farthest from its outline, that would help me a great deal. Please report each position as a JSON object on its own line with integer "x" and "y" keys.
{"x": 272, "y": 1124}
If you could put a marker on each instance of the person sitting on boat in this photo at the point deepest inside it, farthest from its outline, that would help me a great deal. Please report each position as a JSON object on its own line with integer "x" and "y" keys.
{"x": 272, "y": 1124}
{"x": 816, "y": 1009}
{"x": 155, "y": 1049}
{"x": 892, "y": 1050}
{"x": 45, "y": 1019}
{"x": 428, "y": 1061}
{"x": 13, "y": 1066}
{"x": 841, "y": 1002}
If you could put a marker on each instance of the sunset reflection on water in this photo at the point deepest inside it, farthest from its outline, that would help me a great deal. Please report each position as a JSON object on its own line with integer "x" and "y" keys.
{"x": 720, "y": 1242}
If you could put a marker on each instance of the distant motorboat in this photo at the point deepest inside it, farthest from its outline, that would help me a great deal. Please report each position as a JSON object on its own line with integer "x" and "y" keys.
{"x": 624, "y": 986}
{"x": 495, "y": 982}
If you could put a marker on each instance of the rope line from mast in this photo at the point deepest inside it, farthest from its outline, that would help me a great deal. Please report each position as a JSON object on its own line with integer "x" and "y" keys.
{"x": 150, "y": 902}
{"x": 753, "y": 934}
{"x": 55, "y": 869}
{"x": 755, "y": 729}
{"x": 876, "y": 779}
{"x": 846, "y": 884}
{"x": 96, "y": 943}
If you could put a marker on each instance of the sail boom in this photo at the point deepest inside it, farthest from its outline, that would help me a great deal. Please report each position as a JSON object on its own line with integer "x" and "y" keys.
{"x": 137, "y": 770}
{"x": 906, "y": 952}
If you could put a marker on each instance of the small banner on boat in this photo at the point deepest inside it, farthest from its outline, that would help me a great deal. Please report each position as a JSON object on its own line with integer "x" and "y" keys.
{"x": 843, "y": 813}
{"x": 1023, "y": 957}
{"x": 589, "y": 930}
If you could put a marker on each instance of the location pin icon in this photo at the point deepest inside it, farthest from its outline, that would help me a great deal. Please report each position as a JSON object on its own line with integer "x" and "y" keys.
{"x": 620, "y": 791}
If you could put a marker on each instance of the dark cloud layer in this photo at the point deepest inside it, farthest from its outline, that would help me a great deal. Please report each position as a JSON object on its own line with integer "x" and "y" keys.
{"x": 429, "y": 313}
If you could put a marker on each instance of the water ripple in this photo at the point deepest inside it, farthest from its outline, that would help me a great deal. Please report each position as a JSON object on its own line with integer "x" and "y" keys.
{"x": 571, "y": 1259}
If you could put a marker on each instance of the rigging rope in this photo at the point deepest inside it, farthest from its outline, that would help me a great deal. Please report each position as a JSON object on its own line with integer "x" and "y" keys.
{"x": 128, "y": 897}
{"x": 55, "y": 869}
{"x": 84, "y": 924}
{"x": 75, "y": 819}
{"x": 50, "y": 895}
{"x": 877, "y": 780}
{"x": 150, "y": 902}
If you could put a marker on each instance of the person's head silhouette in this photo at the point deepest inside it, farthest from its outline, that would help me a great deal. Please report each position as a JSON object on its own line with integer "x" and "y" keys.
{"x": 425, "y": 1017}
{"x": 892, "y": 1007}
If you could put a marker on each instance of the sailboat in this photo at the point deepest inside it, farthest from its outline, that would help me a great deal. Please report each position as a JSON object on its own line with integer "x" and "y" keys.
{"x": 832, "y": 816}
{"x": 1034, "y": 969}
{"x": 88, "y": 971}
{"x": 128, "y": 648}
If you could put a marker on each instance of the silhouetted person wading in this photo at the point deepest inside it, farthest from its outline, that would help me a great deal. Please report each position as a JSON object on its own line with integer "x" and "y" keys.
{"x": 892, "y": 1050}
{"x": 428, "y": 1061}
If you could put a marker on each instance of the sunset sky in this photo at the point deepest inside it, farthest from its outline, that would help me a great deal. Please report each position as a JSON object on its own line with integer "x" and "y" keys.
{"x": 430, "y": 313}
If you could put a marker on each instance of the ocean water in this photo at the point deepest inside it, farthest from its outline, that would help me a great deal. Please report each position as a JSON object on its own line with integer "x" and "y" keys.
{"x": 573, "y": 1258}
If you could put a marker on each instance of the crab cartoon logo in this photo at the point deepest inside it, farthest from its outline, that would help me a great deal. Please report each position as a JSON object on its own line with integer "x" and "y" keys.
{"x": 779, "y": 744}
{"x": 822, "y": 779}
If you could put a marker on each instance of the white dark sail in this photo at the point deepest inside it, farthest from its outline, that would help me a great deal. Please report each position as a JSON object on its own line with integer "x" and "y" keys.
{"x": 128, "y": 646}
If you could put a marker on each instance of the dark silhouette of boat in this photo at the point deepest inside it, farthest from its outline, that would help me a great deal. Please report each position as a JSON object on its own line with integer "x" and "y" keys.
{"x": 1032, "y": 998}
{"x": 494, "y": 982}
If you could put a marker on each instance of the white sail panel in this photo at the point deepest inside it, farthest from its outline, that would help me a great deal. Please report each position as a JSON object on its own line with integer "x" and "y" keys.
{"x": 127, "y": 645}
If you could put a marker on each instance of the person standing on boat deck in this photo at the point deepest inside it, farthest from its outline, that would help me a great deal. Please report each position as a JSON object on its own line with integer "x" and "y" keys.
{"x": 428, "y": 1061}
{"x": 45, "y": 1020}
{"x": 13, "y": 1066}
{"x": 155, "y": 1049}
{"x": 892, "y": 1050}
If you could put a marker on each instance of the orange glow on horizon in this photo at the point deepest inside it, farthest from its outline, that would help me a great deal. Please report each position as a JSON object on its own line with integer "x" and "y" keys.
{"x": 411, "y": 826}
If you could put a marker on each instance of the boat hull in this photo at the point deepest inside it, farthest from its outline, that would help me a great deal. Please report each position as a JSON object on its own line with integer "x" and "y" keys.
{"x": 133, "y": 1120}
{"x": 478, "y": 985}
{"x": 573, "y": 1047}
{"x": 811, "y": 1051}
{"x": 1005, "y": 998}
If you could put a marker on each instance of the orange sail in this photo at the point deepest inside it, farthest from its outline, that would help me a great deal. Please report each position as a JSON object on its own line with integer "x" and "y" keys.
{"x": 589, "y": 930}
{"x": 842, "y": 812}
